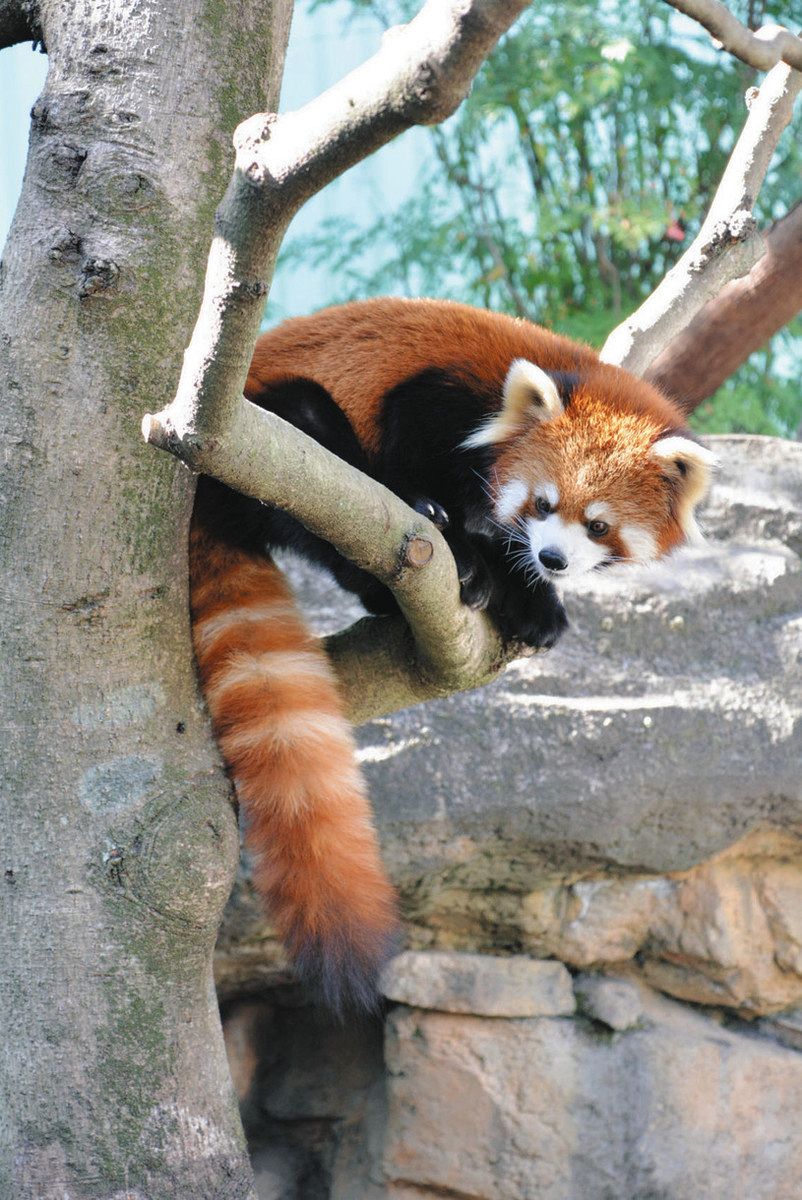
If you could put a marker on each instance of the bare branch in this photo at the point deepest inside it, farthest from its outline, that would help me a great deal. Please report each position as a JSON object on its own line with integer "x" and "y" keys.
{"x": 19, "y": 22}
{"x": 419, "y": 75}
{"x": 764, "y": 49}
{"x": 383, "y": 664}
{"x": 738, "y": 321}
{"x": 728, "y": 244}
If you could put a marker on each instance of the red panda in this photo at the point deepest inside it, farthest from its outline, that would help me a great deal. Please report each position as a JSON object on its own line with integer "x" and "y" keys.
{"x": 538, "y": 462}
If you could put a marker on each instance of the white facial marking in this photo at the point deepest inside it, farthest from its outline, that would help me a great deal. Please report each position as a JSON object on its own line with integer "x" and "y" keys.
{"x": 570, "y": 540}
{"x": 550, "y": 492}
{"x": 640, "y": 543}
{"x": 511, "y": 498}
{"x": 599, "y": 511}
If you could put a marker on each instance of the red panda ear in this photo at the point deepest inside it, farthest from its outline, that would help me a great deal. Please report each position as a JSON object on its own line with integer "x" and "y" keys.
{"x": 529, "y": 393}
{"x": 689, "y": 467}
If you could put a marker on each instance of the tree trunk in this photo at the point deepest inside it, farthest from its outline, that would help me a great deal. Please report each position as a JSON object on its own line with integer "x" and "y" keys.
{"x": 741, "y": 319}
{"x": 118, "y": 839}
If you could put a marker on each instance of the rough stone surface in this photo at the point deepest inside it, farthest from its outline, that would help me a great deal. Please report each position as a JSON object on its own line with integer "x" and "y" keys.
{"x": 682, "y": 1104}
{"x": 480, "y": 984}
{"x": 549, "y": 1110}
{"x": 629, "y": 805}
{"x": 563, "y": 810}
{"x": 616, "y": 1003}
{"x": 786, "y": 1027}
{"x": 310, "y": 1091}
{"x": 666, "y": 725}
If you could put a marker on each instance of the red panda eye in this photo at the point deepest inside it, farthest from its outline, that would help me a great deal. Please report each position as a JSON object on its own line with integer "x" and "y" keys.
{"x": 598, "y": 528}
{"x": 542, "y": 506}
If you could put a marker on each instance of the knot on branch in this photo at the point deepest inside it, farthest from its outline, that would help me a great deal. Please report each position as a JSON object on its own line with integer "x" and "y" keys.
{"x": 247, "y": 290}
{"x": 159, "y": 431}
{"x": 98, "y": 275}
{"x": 431, "y": 99}
{"x": 738, "y": 227}
{"x": 417, "y": 551}
{"x": 65, "y": 248}
{"x": 249, "y": 140}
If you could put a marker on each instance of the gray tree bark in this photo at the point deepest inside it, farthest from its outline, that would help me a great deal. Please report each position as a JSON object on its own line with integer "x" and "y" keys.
{"x": 118, "y": 841}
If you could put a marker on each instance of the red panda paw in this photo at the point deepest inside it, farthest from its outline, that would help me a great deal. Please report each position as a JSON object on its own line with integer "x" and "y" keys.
{"x": 530, "y": 613}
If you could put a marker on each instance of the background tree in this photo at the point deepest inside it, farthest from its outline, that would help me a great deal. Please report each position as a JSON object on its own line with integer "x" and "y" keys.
{"x": 573, "y": 177}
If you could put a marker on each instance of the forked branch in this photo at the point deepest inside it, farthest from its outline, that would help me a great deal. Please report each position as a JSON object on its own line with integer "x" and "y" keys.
{"x": 762, "y": 49}
{"x": 741, "y": 319}
{"x": 727, "y": 246}
{"x": 419, "y": 75}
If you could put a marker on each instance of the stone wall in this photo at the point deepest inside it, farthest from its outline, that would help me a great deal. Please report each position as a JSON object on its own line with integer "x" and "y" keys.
{"x": 628, "y": 807}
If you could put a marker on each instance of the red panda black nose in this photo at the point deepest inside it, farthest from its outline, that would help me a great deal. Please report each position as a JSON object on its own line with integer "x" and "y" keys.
{"x": 553, "y": 559}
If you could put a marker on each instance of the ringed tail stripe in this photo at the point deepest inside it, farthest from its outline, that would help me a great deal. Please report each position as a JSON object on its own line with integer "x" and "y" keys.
{"x": 280, "y": 724}
{"x": 210, "y": 628}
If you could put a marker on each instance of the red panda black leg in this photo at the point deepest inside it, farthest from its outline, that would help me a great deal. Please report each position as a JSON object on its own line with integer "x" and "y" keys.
{"x": 475, "y": 578}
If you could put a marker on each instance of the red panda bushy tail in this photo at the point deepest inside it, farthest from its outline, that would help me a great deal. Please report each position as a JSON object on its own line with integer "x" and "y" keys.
{"x": 280, "y": 725}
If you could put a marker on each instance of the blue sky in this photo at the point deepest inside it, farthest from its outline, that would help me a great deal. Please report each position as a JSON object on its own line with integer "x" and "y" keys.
{"x": 22, "y": 75}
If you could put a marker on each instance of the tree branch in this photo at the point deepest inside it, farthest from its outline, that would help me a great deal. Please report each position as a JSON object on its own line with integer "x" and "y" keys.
{"x": 763, "y": 49}
{"x": 419, "y": 75}
{"x": 726, "y": 247}
{"x": 738, "y": 321}
{"x": 383, "y": 663}
{"x": 19, "y": 22}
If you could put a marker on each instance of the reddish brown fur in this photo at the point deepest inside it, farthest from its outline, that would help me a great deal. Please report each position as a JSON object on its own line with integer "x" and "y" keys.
{"x": 600, "y": 449}
{"x": 307, "y": 815}
{"x": 283, "y": 735}
{"x": 381, "y": 342}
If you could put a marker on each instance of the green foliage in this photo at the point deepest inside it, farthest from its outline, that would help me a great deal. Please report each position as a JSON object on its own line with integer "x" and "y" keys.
{"x": 593, "y": 137}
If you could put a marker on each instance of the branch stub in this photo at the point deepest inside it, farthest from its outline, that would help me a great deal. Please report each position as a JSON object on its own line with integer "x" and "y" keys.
{"x": 418, "y": 551}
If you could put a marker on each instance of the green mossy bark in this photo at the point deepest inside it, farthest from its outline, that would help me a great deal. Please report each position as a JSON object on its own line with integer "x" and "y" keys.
{"x": 118, "y": 841}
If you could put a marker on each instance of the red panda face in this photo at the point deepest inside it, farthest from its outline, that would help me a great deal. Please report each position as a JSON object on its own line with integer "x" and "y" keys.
{"x": 593, "y": 483}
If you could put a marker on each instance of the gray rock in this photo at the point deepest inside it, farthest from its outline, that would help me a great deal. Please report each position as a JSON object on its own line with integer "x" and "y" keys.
{"x": 552, "y": 810}
{"x": 551, "y": 1110}
{"x": 617, "y": 1003}
{"x": 479, "y": 984}
{"x": 634, "y": 797}
{"x": 786, "y": 1027}
{"x": 666, "y": 724}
